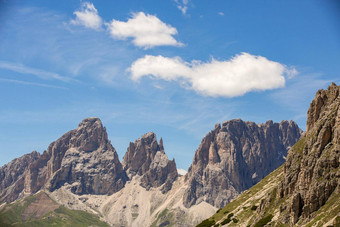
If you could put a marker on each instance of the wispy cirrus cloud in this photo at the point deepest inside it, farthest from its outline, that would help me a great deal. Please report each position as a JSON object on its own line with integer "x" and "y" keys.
{"x": 239, "y": 75}
{"x": 182, "y": 5}
{"x": 31, "y": 83}
{"x": 42, "y": 74}
{"x": 145, "y": 30}
{"x": 88, "y": 16}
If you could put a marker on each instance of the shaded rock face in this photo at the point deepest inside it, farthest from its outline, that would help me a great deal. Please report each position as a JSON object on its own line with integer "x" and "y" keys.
{"x": 12, "y": 176}
{"x": 235, "y": 156}
{"x": 311, "y": 172}
{"x": 146, "y": 158}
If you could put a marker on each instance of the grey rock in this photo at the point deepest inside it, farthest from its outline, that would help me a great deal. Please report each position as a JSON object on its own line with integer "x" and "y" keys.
{"x": 83, "y": 159}
{"x": 146, "y": 158}
{"x": 12, "y": 176}
{"x": 86, "y": 160}
{"x": 235, "y": 156}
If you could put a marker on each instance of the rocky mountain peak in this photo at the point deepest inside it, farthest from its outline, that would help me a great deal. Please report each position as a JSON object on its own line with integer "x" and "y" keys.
{"x": 89, "y": 135}
{"x": 89, "y": 163}
{"x": 235, "y": 156}
{"x": 146, "y": 158}
{"x": 83, "y": 159}
{"x": 321, "y": 102}
{"x": 311, "y": 172}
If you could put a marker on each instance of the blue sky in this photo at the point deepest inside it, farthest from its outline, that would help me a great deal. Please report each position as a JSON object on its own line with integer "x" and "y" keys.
{"x": 172, "y": 67}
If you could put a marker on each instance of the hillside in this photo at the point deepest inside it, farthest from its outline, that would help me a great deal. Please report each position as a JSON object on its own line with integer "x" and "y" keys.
{"x": 41, "y": 210}
{"x": 305, "y": 190}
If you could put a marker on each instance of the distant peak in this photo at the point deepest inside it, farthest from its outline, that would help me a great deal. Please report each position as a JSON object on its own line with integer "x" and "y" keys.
{"x": 148, "y": 135}
{"x": 90, "y": 122}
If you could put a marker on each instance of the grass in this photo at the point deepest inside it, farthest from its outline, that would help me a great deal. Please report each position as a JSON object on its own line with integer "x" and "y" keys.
{"x": 299, "y": 146}
{"x": 253, "y": 207}
{"x": 164, "y": 216}
{"x": 328, "y": 211}
{"x": 206, "y": 223}
{"x": 235, "y": 204}
{"x": 263, "y": 221}
{"x": 11, "y": 216}
{"x": 226, "y": 221}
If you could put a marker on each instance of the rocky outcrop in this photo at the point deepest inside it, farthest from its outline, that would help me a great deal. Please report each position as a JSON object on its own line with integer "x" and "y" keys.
{"x": 311, "y": 173}
{"x": 235, "y": 156}
{"x": 12, "y": 176}
{"x": 146, "y": 158}
{"x": 83, "y": 159}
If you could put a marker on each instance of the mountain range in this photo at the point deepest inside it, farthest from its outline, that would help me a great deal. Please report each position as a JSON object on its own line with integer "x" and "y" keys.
{"x": 81, "y": 172}
{"x": 305, "y": 190}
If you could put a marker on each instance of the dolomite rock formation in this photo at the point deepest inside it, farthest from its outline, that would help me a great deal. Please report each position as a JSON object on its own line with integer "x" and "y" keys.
{"x": 85, "y": 159}
{"x": 311, "y": 172}
{"x": 235, "y": 156}
{"x": 82, "y": 158}
{"x": 12, "y": 176}
{"x": 146, "y": 158}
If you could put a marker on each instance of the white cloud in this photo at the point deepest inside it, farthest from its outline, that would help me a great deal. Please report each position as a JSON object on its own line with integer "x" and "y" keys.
{"x": 145, "y": 30}
{"x": 88, "y": 17}
{"x": 182, "y": 5}
{"x": 241, "y": 74}
{"x": 221, "y": 13}
{"x": 17, "y": 67}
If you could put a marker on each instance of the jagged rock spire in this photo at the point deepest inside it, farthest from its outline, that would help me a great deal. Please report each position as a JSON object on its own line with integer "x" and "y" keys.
{"x": 146, "y": 158}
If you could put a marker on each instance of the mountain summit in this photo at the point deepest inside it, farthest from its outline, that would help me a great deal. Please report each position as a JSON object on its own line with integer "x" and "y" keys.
{"x": 82, "y": 158}
{"x": 85, "y": 159}
{"x": 235, "y": 156}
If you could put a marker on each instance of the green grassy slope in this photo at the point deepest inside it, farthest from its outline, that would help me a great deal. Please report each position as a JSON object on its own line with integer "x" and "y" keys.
{"x": 12, "y": 215}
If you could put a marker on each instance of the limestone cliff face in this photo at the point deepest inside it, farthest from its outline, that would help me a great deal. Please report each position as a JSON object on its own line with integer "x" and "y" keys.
{"x": 146, "y": 158}
{"x": 12, "y": 176}
{"x": 85, "y": 159}
{"x": 311, "y": 173}
{"x": 85, "y": 162}
{"x": 235, "y": 156}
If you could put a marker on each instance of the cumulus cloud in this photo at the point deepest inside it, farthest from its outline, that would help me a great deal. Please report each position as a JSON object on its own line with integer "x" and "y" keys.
{"x": 145, "y": 30}
{"x": 182, "y": 5}
{"x": 88, "y": 17}
{"x": 235, "y": 77}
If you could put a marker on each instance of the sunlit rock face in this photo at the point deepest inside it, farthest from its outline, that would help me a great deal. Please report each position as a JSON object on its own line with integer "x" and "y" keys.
{"x": 235, "y": 156}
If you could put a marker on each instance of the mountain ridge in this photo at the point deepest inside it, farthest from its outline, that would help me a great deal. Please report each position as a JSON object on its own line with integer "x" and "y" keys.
{"x": 81, "y": 170}
{"x": 235, "y": 156}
